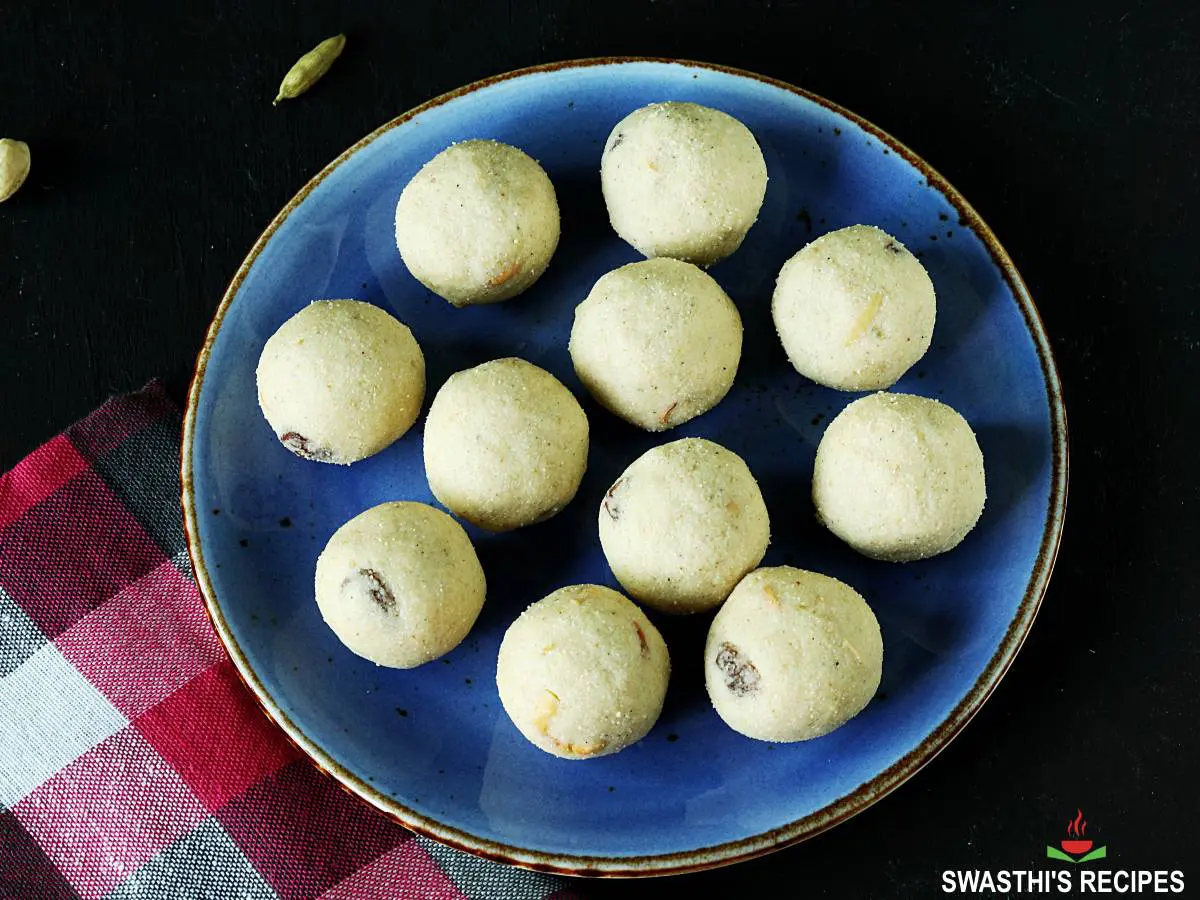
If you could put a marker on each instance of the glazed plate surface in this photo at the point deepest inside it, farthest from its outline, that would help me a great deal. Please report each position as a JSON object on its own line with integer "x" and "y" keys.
{"x": 432, "y": 746}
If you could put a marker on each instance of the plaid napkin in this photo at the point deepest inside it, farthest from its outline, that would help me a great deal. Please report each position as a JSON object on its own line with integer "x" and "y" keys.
{"x": 133, "y": 762}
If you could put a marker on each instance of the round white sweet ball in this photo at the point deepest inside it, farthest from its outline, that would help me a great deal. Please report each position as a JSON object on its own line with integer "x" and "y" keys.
{"x": 340, "y": 380}
{"x": 657, "y": 343}
{"x": 682, "y": 180}
{"x": 683, "y": 524}
{"x": 854, "y": 309}
{"x": 583, "y": 672}
{"x": 478, "y": 223}
{"x": 899, "y": 477}
{"x": 792, "y": 655}
{"x": 400, "y": 584}
{"x": 506, "y": 444}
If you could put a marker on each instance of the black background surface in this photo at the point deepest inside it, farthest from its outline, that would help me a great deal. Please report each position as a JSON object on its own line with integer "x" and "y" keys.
{"x": 1072, "y": 128}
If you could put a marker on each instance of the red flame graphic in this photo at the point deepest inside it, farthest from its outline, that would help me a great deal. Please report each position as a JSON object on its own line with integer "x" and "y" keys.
{"x": 1077, "y": 826}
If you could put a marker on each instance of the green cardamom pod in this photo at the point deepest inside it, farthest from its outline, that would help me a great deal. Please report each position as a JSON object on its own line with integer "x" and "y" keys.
{"x": 14, "y": 166}
{"x": 309, "y": 68}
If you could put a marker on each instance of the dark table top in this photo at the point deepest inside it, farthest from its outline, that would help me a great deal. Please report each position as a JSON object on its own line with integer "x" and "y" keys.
{"x": 1073, "y": 128}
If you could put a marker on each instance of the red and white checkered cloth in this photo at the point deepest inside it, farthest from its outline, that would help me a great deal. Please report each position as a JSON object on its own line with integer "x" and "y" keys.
{"x": 133, "y": 762}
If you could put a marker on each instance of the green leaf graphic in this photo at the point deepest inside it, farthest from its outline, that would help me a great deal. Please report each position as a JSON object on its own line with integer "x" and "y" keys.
{"x": 1055, "y": 853}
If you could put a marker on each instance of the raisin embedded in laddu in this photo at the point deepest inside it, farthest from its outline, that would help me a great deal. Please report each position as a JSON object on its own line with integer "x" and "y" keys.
{"x": 741, "y": 675}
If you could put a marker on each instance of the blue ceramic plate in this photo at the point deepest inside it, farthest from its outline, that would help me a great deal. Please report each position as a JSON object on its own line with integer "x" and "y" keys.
{"x": 432, "y": 746}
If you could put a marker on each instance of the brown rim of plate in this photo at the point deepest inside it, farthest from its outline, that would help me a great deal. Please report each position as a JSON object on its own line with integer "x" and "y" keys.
{"x": 733, "y": 851}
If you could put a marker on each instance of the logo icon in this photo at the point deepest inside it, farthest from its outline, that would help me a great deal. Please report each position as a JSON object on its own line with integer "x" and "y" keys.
{"x": 1076, "y": 848}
